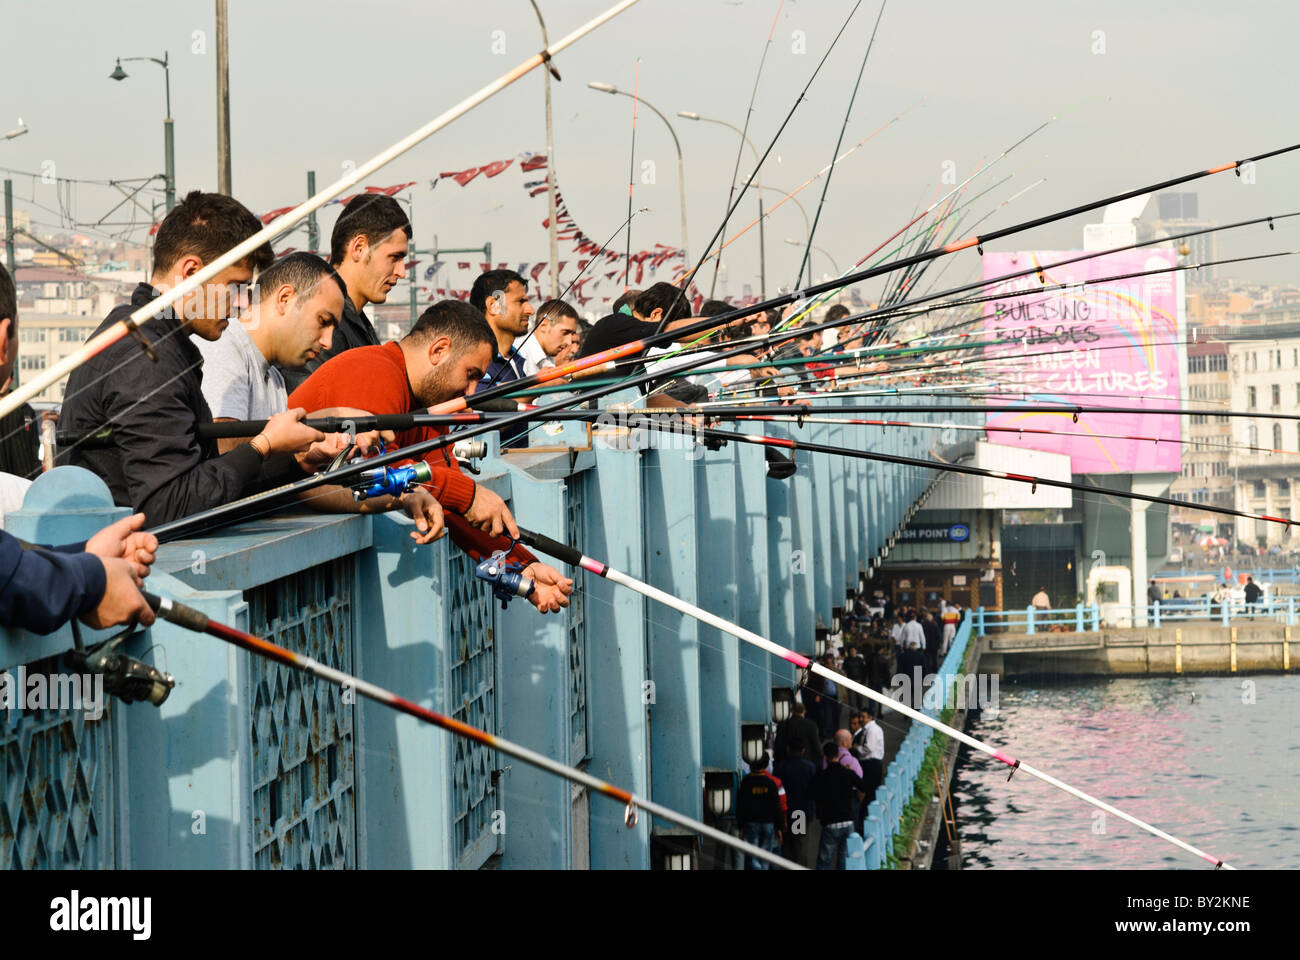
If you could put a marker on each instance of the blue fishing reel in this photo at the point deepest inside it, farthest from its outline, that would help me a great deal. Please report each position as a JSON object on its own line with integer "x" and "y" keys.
{"x": 391, "y": 481}
{"x": 505, "y": 576}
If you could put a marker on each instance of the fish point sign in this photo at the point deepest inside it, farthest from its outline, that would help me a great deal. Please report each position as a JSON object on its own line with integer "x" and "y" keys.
{"x": 935, "y": 533}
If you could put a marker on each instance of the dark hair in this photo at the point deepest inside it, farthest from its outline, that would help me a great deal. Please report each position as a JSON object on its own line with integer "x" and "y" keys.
{"x": 206, "y": 225}
{"x": 627, "y": 299}
{"x": 830, "y": 750}
{"x": 663, "y": 296}
{"x": 837, "y": 312}
{"x": 555, "y": 309}
{"x": 301, "y": 270}
{"x": 739, "y": 331}
{"x": 714, "y": 308}
{"x": 454, "y": 319}
{"x": 490, "y": 284}
{"x": 759, "y": 764}
{"x": 371, "y": 215}
{"x": 8, "y": 301}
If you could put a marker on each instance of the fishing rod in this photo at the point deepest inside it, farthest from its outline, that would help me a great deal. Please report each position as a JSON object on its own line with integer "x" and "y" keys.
{"x": 191, "y": 619}
{"x": 1202, "y": 445}
{"x": 839, "y": 142}
{"x": 602, "y": 359}
{"x": 574, "y": 557}
{"x": 978, "y": 240}
{"x": 709, "y": 433}
{"x": 804, "y": 332}
{"x": 681, "y": 292}
{"x": 129, "y": 325}
{"x": 812, "y": 304}
{"x": 772, "y": 209}
{"x": 740, "y": 148}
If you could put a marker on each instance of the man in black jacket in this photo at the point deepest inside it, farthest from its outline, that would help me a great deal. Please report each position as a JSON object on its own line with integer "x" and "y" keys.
{"x": 368, "y": 248}
{"x": 797, "y": 732}
{"x": 832, "y": 792}
{"x": 155, "y": 461}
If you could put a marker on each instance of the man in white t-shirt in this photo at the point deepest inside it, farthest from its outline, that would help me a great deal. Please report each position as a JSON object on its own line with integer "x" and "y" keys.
{"x": 555, "y": 325}
{"x": 299, "y": 302}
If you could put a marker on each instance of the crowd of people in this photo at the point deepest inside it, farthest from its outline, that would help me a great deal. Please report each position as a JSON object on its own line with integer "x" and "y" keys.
{"x": 815, "y": 786}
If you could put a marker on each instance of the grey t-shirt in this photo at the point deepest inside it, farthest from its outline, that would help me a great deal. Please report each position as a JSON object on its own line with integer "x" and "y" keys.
{"x": 238, "y": 383}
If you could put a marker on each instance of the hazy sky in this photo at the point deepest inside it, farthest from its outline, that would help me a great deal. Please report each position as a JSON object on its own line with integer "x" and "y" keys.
{"x": 1179, "y": 87}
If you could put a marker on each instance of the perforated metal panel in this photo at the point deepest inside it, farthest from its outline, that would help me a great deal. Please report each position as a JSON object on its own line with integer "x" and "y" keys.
{"x": 471, "y": 698}
{"x": 577, "y": 628}
{"x": 304, "y": 790}
{"x": 54, "y": 795}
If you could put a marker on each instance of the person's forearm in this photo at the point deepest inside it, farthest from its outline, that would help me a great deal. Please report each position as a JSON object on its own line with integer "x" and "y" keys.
{"x": 335, "y": 499}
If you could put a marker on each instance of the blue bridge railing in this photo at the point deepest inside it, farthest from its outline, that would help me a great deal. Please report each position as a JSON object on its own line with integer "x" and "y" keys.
{"x": 248, "y": 765}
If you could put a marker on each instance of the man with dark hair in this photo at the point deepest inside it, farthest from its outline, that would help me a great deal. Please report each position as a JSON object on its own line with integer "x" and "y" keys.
{"x": 797, "y": 732}
{"x": 796, "y": 772}
{"x": 442, "y": 357}
{"x": 20, "y": 429}
{"x": 555, "y": 326}
{"x": 625, "y": 301}
{"x": 837, "y": 312}
{"x": 761, "y": 811}
{"x": 832, "y": 792}
{"x": 299, "y": 300}
{"x": 154, "y": 460}
{"x": 502, "y": 297}
{"x": 368, "y": 248}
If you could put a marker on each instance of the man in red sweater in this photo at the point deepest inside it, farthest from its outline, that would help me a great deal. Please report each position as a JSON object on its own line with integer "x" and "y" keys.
{"x": 442, "y": 357}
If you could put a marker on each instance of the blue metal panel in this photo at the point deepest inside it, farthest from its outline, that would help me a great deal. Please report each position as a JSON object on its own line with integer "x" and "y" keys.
{"x": 617, "y": 664}
{"x": 717, "y": 551}
{"x": 304, "y": 790}
{"x": 783, "y": 582}
{"x": 754, "y": 582}
{"x": 803, "y": 557}
{"x": 835, "y": 438}
{"x": 821, "y": 532}
{"x": 56, "y": 797}
{"x": 404, "y": 769}
{"x": 671, "y": 564}
{"x": 472, "y": 699}
{"x": 536, "y": 688}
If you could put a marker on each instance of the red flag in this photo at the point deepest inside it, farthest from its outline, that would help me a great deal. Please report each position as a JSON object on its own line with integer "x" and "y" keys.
{"x": 485, "y": 267}
{"x": 497, "y": 166}
{"x": 463, "y": 265}
{"x": 463, "y": 176}
{"x": 536, "y": 271}
{"x": 278, "y": 212}
{"x": 536, "y": 162}
{"x": 389, "y": 191}
{"x": 533, "y": 193}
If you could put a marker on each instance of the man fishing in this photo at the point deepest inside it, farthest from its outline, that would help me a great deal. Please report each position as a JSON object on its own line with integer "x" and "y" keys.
{"x": 444, "y": 356}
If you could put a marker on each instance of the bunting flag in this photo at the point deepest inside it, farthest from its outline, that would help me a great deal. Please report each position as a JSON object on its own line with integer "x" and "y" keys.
{"x": 463, "y": 265}
{"x": 433, "y": 268}
{"x": 536, "y": 161}
{"x": 281, "y": 211}
{"x": 536, "y": 271}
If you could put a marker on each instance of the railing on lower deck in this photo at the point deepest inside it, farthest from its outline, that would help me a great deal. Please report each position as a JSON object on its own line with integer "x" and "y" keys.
{"x": 1082, "y": 619}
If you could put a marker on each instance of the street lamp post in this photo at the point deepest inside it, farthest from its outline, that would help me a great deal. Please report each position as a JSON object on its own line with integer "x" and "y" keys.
{"x": 168, "y": 142}
{"x": 550, "y": 164}
{"x": 681, "y": 167}
{"x": 758, "y": 181}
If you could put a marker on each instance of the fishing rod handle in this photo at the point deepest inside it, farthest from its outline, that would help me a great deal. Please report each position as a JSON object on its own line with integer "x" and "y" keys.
{"x": 177, "y": 613}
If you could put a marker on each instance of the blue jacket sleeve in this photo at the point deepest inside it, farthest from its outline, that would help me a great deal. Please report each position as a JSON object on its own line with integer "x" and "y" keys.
{"x": 41, "y": 590}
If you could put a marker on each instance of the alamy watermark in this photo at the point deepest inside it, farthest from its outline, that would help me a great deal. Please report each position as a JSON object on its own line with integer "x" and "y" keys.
{"x": 624, "y": 430}
{"x": 939, "y": 691}
{"x": 20, "y": 690}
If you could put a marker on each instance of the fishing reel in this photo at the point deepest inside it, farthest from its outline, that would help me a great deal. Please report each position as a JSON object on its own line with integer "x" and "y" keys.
{"x": 125, "y": 677}
{"x": 467, "y": 451}
{"x": 391, "y": 481}
{"x": 505, "y": 576}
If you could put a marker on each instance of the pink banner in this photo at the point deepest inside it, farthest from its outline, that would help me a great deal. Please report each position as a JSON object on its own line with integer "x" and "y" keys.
{"x": 1102, "y": 344}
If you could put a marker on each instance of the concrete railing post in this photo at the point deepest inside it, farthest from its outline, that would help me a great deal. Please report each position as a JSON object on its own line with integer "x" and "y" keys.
{"x": 1078, "y": 618}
